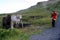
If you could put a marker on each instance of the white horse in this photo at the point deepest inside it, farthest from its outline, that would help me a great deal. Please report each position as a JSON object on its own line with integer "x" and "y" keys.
{"x": 15, "y": 19}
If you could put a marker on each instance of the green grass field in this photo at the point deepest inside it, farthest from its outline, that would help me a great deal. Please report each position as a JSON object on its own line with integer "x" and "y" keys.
{"x": 18, "y": 34}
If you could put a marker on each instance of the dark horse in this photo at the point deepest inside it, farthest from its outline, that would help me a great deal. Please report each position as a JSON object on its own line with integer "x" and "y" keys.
{"x": 6, "y": 22}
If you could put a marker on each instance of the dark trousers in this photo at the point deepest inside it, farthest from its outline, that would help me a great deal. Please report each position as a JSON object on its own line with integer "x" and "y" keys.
{"x": 53, "y": 23}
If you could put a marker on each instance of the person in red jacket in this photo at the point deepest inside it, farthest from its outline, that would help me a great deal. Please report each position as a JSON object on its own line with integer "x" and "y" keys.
{"x": 54, "y": 16}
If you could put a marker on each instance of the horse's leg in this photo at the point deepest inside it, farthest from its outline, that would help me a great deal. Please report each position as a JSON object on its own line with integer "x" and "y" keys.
{"x": 12, "y": 23}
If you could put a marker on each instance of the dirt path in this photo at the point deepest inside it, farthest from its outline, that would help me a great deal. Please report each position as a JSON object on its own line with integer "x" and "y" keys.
{"x": 49, "y": 34}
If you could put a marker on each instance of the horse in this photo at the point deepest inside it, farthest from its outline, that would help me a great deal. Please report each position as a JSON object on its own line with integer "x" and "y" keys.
{"x": 15, "y": 20}
{"x": 6, "y": 22}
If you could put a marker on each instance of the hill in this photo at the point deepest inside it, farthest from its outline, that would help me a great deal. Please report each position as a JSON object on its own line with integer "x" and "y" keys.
{"x": 41, "y": 12}
{"x": 37, "y": 14}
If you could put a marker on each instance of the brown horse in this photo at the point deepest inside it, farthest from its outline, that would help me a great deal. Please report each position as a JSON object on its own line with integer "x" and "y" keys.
{"x": 6, "y": 22}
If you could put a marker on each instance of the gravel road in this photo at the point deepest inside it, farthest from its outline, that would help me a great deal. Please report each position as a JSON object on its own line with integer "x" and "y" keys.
{"x": 49, "y": 34}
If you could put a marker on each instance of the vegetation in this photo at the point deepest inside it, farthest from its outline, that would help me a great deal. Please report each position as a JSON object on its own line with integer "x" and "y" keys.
{"x": 13, "y": 35}
{"x": 18, "y": 34}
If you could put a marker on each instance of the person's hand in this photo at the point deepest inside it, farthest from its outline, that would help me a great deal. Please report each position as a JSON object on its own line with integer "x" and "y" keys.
{"x": 54, "y": 19}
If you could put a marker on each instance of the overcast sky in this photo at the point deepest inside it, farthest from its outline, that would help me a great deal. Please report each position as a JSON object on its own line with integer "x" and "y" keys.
{"x": 9, "y": 6}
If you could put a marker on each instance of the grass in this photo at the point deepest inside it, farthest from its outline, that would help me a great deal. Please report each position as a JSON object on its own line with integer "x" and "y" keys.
{"x": 18, "y": 34}
{"x": 13, "y": 35}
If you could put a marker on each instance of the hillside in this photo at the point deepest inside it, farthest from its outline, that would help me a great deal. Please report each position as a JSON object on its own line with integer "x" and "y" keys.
{"x": 41, "y": 11}
{"x": 37, "y": 14}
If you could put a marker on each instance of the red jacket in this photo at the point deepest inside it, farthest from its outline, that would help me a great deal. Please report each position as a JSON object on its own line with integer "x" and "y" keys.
{"x": 54, "y": 15}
